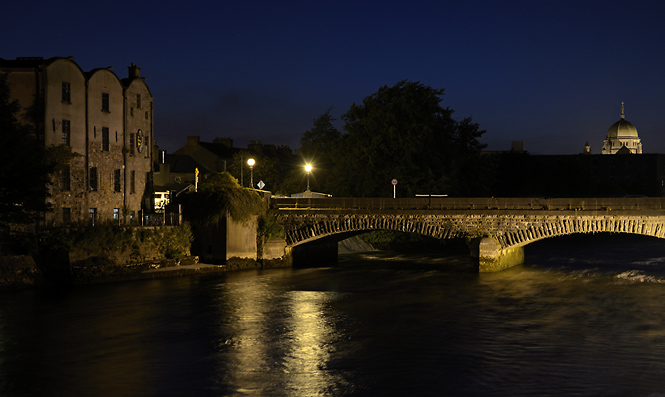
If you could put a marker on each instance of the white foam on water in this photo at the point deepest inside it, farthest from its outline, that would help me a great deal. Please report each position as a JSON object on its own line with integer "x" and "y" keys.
{"x": 638, "y": 276}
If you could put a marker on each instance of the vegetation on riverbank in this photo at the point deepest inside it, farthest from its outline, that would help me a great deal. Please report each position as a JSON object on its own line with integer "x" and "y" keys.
{"x": 108, "y": 239}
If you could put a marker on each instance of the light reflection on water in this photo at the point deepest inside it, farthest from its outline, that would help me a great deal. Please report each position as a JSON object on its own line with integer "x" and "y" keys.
{"x": 280, "y": 341}
{"x": 586, "y": 321}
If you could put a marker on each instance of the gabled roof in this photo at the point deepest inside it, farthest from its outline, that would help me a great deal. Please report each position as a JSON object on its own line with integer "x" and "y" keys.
{"x": 219, "y": 149}
{"x": 623, "y": 150}
{"x": 182, "y": 163}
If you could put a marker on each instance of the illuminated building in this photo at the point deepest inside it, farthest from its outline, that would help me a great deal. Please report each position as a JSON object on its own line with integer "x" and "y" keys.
{"x": 622, "y": 138}
{"x": 107, "y": 122}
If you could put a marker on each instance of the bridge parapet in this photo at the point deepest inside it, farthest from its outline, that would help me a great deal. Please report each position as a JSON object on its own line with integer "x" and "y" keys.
{"x": 474, "y": 203}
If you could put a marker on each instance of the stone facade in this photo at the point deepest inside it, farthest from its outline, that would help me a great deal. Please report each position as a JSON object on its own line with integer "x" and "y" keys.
{"x": 107, "y": 122}
{"x": 509, "y": 230}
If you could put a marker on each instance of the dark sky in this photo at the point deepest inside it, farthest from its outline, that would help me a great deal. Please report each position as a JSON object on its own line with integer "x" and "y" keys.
{"x": 550, "y": 73}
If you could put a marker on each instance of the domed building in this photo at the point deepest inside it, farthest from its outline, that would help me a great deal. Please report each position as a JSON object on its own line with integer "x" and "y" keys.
{"x": 622, "y": 138}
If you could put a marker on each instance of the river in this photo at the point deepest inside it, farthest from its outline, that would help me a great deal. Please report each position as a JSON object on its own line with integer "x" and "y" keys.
{"x": 584, "y": 316}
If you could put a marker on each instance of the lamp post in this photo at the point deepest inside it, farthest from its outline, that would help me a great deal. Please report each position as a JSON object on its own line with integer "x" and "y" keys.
{"x": 308, "y": 169}
{"x": 250, "y": 163}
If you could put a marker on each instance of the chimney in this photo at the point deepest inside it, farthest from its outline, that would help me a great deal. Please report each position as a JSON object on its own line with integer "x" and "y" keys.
{"x": 193, "y": 140}
{"x": 134, "y": 71}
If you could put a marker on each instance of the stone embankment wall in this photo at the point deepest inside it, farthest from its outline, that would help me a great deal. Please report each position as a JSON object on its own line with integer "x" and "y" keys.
{"x": 19, "y": 271}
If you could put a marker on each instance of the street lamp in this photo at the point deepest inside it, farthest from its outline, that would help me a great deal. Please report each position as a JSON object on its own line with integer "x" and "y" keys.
{"x": 250, "y": 163}
{"x": 308, "y": 169}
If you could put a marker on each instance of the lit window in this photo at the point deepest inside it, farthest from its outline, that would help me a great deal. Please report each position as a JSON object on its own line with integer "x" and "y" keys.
{"x": 93, "y": 215}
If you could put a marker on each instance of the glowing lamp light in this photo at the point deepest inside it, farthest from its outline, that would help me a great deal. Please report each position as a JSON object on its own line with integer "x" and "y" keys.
{"x": 250, "y": 163}
{"x": 308, "y": 169}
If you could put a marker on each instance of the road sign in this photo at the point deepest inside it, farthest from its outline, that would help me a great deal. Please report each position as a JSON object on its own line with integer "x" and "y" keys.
{"x": 394, "y": 182}
{"x": 260, "y": 185}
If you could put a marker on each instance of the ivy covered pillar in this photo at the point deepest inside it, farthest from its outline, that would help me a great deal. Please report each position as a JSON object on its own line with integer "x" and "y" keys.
{"x": 488, "y": 256}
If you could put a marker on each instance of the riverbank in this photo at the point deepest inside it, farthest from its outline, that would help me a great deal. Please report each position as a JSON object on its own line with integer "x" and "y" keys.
{"x": 23, "y": 272}
{"x": 57, "y": 268}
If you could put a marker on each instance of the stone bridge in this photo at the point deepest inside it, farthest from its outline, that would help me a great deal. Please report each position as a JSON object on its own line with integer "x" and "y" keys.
{"x": 497, "y": 229}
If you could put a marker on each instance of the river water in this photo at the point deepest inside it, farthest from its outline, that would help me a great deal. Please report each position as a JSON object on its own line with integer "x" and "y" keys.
{"x": 584, "y": 316}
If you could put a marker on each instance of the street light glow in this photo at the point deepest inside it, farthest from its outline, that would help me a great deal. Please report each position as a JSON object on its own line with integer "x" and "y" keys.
{"x": 308, "y": 168}
{"x": 251, "y": 162}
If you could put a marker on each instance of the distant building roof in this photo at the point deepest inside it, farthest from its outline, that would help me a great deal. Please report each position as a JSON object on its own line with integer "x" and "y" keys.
{"x": 219, "y": 149}
{"x": 182, "y": 163}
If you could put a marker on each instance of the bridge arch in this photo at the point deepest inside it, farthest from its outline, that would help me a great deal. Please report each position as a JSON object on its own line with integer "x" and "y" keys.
{"x": 300, "y": 231}
{"x": 508, "y": 230}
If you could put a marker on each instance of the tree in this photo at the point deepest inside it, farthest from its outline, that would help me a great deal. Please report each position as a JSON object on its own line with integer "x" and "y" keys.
{"x": 219, "y": 194}
{"x": 320, "y": 147}
{"x": 24, "y": 166}
{"x": 271, "y": 168}
{"x": 403, "y": 132}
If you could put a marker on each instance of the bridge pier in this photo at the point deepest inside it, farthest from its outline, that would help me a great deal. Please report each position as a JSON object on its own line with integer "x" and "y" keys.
{"x": 319, "y": 253}
{"x": 488, "y": 256}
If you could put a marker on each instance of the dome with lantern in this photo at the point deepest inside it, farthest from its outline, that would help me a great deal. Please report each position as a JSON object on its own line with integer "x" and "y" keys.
{"x": 622, "y": 138}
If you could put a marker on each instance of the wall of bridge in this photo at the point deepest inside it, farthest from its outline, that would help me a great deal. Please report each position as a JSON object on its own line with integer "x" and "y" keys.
{"x": 511, "y": 223}
{"x": 349, "y": 204}
{"x": 508, "y": 229}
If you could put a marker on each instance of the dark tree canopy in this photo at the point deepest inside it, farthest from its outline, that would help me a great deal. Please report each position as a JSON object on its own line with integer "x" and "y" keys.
{"x": 320, "y": 146}
{"x": 399, "y": 132}
{"x": 24, "y": 165}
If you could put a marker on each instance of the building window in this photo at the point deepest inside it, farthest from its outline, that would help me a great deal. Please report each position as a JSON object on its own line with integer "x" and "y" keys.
{"x": 105, "y": 139}
{"x": 131, "y": 143}
{"x": 66, "y": 179}
{"x": 66, "y": 215}
{"x": 116, "y": 214}
{"x": 105, "y": 102}
{"x": 146, "y": 115}
{"x": 93, "y": 215}
{"x": 132, "y": 182}
{"x": 66, "y": 92}
{"x": 93, "y": 178}
{"x": 116, "y": 181}
{"x": 138, "y": 101}
{"x": 66, "y": 133}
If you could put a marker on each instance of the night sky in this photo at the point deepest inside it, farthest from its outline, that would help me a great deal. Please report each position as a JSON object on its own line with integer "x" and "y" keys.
{"x": 552, "y": 74}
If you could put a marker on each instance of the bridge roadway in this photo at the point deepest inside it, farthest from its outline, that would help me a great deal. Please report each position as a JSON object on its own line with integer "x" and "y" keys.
{"x": 497, "y": 228}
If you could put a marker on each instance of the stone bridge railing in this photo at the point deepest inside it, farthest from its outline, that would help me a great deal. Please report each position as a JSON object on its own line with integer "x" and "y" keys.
{"x": 473, "y": 203}
{"x": 509, "y": 222}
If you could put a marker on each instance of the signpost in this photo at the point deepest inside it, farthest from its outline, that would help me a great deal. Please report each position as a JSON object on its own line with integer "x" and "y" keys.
{"x": 394, "y": 182}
